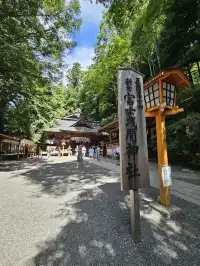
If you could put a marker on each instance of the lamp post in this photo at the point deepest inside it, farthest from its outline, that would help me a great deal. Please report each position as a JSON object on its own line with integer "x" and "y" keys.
{"x": 160, "y": 101}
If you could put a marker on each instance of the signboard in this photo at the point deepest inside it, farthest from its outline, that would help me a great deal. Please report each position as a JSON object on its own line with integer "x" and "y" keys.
{"x": 166, "y": 176}
{"x": 134, "y": 166}
{"x": 81, "y": 139}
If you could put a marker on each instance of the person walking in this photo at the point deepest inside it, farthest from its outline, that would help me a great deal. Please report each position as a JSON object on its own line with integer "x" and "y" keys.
{"x": 83, "y": 151}
{"x": 98, "y": 153}
{"x": 79, "y": 156}
{"x": 118, "y": 154}
{"x": 91, "y": 153}
{"x": 76, "y": 150}
{"x": 48, "y": 151}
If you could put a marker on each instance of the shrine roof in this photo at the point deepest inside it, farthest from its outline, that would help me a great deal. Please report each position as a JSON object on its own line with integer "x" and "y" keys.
{"x": 75, "y": 123}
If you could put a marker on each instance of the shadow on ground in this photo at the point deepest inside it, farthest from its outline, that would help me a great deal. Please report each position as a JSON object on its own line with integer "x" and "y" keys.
{"x": 58, "y": 179}
{"x": 97, "y": 223}
{"x": 23, "y": 164}
{"x": 99, "y": 234}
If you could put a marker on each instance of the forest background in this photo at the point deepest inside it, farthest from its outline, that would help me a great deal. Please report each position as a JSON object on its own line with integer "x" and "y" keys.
{"x": 142, "y": 34}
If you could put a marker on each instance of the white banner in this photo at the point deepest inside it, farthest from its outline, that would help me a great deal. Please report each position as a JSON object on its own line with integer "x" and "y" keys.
{"x": 166, "y": 176}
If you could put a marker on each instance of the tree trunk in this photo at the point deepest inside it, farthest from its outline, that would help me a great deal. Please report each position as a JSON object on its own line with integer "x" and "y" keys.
{"x": 2, "y": 114}
{"x": 190, "y": 74}
{"x": 196, "y": 132}
{"x": 198, "y": 68}
{"x": 153, "y": 66}
{"x": 150, "y": 68}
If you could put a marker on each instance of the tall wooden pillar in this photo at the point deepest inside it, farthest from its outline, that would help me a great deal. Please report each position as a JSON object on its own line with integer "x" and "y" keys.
{"x": 134, "y": 167}
{"x": 162, "y": 157}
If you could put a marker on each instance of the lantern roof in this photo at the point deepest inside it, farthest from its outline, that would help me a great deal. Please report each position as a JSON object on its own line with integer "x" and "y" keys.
{"x": 173, "y": 76}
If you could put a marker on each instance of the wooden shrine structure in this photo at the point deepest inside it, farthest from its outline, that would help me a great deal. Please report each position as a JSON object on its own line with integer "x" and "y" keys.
{"x": 14, "y": 148}
{"x": 71, "y": 131}
{"x": 111, "y": 140}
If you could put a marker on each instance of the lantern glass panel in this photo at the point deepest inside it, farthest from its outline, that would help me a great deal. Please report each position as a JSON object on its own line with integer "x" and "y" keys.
{"x": 155, "y": 86}
{"x": 169, "y": 94}
{"x": 147, "y": 98}
{"x": 146, "y": 92}
{"x": 152, "y": 96}
{"x": 156, "y": 94}
{"x": 172, "y": 88}
{"x": 164, "y": 93}
{"x": 164, "y": 85}
{"x": 157, "y": 102}
{"x": 148, "y": 105}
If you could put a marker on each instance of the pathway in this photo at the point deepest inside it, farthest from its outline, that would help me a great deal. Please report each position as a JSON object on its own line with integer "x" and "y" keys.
{"x": 185, "y": 182}
{"x": 54, "y": 214}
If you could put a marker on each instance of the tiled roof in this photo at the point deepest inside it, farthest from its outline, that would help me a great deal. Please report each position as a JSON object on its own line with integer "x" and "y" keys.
{"x": 72, "y": 124}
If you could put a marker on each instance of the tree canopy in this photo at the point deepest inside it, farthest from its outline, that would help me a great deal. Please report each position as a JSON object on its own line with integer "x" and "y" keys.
{"x": 34, "y": 35}
{"x": 150, "y": 37}
{"x": 143, "y": 34}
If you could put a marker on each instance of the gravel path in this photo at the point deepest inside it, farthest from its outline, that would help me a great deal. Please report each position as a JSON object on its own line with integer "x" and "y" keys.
{"x": 52, "y": 213}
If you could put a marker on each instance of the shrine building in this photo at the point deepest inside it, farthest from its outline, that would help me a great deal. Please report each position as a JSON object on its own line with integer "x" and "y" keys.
{"x": 73, "y": 130}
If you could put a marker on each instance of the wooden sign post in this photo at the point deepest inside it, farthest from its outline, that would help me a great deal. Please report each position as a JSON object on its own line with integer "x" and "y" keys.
{"x": 134, "y": 166}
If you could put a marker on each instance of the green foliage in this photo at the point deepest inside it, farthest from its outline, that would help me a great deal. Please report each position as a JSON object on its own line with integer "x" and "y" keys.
{"x": 183, "y": 131}
{"x": 34, "y": 35}
{"x": 151, "y": 36}
{"x": 74, "y": 87}
{"x": 143, "y": 34}
{"x": 99, "y": 93}
{"x": 179, "y": 44}
{"x": 75, "y": 76}
{"x": 30, "y": 116}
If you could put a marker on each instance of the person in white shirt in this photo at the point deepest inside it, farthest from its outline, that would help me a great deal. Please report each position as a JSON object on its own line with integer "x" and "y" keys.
{"x": 98, "y": 151}
{"x": 76, "y": 150}
{"x": 118, "y": 154}
{"x": 83, "y": 151}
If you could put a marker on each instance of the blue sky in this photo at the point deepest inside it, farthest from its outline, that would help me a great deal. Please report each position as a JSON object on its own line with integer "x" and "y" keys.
{"x": 86, "y": 37}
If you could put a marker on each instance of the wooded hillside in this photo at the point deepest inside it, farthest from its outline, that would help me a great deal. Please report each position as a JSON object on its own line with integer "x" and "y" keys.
{"x": 143, "y": 34}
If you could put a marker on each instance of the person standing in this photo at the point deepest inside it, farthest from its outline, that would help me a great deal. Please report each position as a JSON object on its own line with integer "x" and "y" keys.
{"x": 83, "y": 151}
{"x": 91, "y": 153}
{"x": 94, "y": 148}
{"x": 98, "y": 153}
{"x": 76, "y": 150}
{"x": 48, "y": 151}
{"x": 118, "y": 154}
{"x": 79, "y": 155}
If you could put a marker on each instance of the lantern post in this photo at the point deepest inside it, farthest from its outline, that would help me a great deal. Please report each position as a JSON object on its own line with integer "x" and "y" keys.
{"x": 160, "y": 101}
